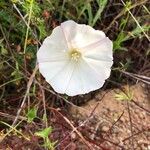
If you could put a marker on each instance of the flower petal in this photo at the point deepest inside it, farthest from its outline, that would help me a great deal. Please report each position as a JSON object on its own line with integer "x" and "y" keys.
{"x": 50, "y": 69}
{"x": 100, "y": 51}
{"x": 84, "y": 80}
{"x": 73, "y": 79}
{"x": 103, "y": 68}
{"x": 75, "y": 85}
{"x": 90, "y": 78}
{"x": 50, "y": 49}
{"x": 80, "y": 35}
{"x": 61, "y": 81}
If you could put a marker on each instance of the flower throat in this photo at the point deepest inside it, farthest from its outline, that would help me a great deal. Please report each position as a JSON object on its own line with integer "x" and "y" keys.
{"x": 74, "y": 54}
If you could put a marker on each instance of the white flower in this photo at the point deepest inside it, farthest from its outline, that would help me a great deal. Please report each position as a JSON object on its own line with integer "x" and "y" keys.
{"x": 75, "y": 59}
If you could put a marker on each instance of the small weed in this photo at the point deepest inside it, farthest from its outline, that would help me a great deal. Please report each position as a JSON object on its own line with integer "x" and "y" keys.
{"x": 32, "y": 114}
{"x": 14, "y": 130}
{"x": 45, "y": 135}
{"x": 126, "y": 95}
{"x": 123, "y": 37}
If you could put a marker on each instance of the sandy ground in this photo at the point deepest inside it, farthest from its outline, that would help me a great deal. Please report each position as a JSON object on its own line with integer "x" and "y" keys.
{"x": 124, "y": 124}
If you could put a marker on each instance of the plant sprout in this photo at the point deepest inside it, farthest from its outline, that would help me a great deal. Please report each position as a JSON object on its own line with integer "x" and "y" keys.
{"x": 75, "y": 59}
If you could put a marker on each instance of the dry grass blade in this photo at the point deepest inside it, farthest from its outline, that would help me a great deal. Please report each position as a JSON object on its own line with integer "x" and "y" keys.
{"x": 26, "y": 23}
{"x": 138, "y": 77}
{"x": 11, "y": 117}
{"x": 26, "y": 94}
{"x": 131, "y": 124}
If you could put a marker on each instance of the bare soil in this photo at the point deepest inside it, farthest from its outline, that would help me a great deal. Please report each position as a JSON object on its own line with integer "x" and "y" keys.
{"x": 121, "y": 124}
{"x": 104, "y": 122}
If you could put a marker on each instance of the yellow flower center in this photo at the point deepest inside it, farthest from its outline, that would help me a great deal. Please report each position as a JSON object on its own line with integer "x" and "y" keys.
{"x": 74, "y": 54}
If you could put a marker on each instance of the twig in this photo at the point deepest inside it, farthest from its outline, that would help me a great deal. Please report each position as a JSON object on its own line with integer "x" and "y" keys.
{"x": 131, "y": 129}
{"x": 11, "y": 116}
{"x": 26, "y": 94}
{"x": 99, "y": 144}
{"x": 140, "y": 106}
{"x": 18, "y": 11}
{"x": 116, "y": 121}
{"x": 135, "y": 134}
{"x": 16, "y": 8}
{"x": 95, "y": 130}
{"x": 110, "y": 130}
{"x": 11, "y": 129}
{"x": 74, "y": 129}
{"x": 92, "y": 113}
{"x": 44, "y": 105}
{"x": 137, "y": 77}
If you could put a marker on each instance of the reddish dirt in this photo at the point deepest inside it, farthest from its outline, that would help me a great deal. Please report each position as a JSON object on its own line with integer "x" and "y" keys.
{"x": 104, "y": 122}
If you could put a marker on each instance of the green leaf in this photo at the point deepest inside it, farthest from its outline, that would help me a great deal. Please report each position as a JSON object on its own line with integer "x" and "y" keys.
{"x": 44, "y": 133}
{"x": 32, "y": 113}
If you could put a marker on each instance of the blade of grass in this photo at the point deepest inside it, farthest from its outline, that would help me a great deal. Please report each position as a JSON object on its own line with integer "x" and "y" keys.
{"x": 90, "y": 15}
{"x": 146, "y": 9}
{"x": 123, "y": 12}
{"x": 10, "y": 81}
{"x": 13, "y": 129}
{"x": 102, "y": 4}
{"x": 22, "y": 17}
{"x": 136, "y": 21}
{"x": 28, "y": 24}
{"x": 62, "y": 10}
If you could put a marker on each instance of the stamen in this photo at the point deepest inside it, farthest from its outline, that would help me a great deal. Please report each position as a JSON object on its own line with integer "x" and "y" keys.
{"x": 75, "y": 54}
